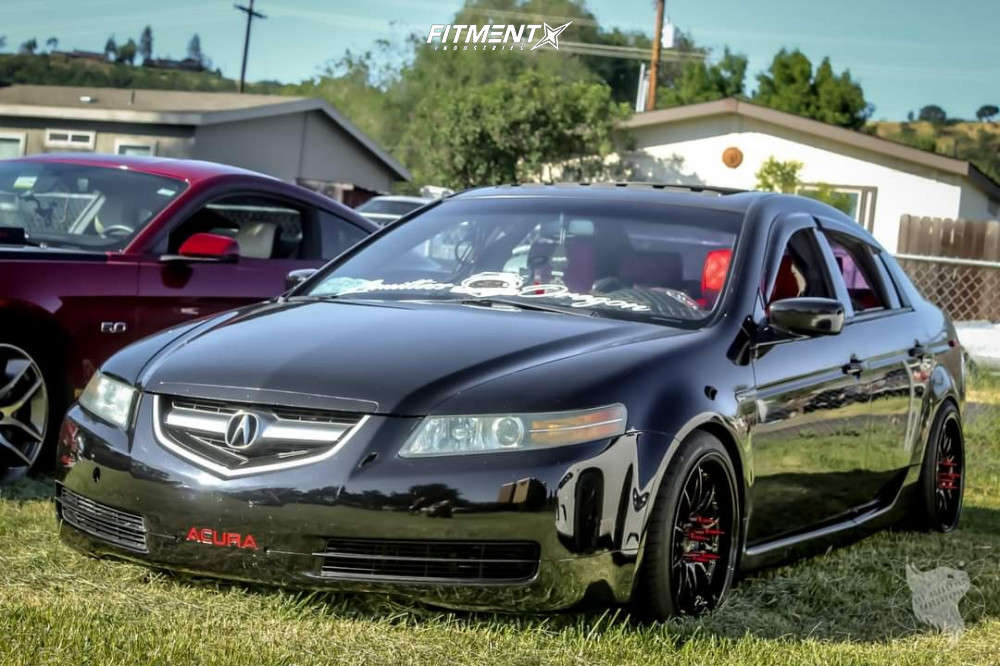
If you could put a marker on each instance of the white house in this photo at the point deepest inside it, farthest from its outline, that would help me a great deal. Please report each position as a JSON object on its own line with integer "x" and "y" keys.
{"x": 723, "y": 143}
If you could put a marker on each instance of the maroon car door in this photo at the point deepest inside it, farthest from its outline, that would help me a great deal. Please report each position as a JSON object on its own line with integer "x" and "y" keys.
{"x": 275, "y": 235}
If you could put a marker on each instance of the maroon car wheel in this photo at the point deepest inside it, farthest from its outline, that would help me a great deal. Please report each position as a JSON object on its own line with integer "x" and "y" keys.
{"x": 24, "y": 409}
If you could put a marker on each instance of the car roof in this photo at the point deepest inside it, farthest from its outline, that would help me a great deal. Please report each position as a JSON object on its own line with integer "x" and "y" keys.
{"x": 400, "y": 197}
{"x": 697, "y": 196}
{"x": 189, "y": 170}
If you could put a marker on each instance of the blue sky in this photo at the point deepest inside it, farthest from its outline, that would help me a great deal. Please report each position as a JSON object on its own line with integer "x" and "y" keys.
{"x": 906, "y": 54}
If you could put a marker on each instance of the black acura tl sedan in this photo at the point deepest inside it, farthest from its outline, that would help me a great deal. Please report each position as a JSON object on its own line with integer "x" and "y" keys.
{"x": 522, "y": 397}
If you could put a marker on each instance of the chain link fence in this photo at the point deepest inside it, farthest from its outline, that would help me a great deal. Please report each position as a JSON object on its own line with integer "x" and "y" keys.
{"x": 967, "y": 289}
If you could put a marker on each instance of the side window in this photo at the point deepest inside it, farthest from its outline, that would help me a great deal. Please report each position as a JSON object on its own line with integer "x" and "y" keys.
{"x": 802, "y": 271}
{"x": 857, "y": 267}
{"x": 265, "y": 228}
{"x": 336, "y": 234}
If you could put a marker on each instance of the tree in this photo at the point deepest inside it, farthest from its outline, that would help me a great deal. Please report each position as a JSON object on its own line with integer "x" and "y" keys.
{"x": 825, "y": 193}
{"x": 933, "y": 114}
{"x": 986, "y": 112}
{"x": 194, "y": 49}
{"x": 3, "y": 41}
{"x": 52, "y": 43}
{"x": 509, "y": 130}
{"x": 703, "y": 82}
{"x": 775, "y": 176}
{"x": 111, "y": 48}
{"x": 146, "y": 43}
{"x": 126, "y": 53}
{"x": 790, "y": 85}
{"x": 28, "y": 47}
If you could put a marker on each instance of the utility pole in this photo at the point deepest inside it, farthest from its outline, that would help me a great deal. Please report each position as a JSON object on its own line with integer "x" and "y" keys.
{"x": 654, "y": 65}
{"x": 251, "y": 15}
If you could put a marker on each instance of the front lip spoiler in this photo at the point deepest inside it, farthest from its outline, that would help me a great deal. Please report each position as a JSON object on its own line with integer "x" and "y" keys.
{"x": 228, "y": 473}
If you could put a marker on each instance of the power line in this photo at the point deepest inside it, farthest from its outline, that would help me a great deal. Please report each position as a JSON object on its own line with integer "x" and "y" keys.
{"x": 629, "y": 52}
{"x": 251, "y": 15}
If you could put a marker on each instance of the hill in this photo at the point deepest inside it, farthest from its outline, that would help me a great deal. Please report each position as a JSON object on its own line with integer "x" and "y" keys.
{"x": 977, "y": 142}
{"x": 61, "y": 70}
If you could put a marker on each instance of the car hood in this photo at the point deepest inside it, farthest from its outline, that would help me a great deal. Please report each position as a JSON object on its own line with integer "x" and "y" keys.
{"x": 387, "y": 358}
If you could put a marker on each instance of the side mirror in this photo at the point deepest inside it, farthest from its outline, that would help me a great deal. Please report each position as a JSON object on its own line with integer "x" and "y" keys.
{"x": 807, "y": 316}
{"x": 297, "y": 277}
{"x": 206, "y": 247}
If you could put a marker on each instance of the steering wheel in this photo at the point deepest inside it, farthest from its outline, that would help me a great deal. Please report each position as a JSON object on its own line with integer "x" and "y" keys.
{"x": 117, "y": 230}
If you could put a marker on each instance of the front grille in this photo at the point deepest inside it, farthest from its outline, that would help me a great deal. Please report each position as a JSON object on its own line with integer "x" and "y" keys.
{"x": 121, "y": 528}
{"x": 429, "y": 561}
{"x": 280, "y": 435}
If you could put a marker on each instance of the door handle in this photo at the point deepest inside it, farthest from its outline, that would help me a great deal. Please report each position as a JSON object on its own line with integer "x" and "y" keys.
{"x": 854, "y": 367}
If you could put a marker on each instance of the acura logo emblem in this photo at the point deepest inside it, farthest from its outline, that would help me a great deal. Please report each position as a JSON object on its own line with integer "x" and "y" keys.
{"x": 242, "y": 430}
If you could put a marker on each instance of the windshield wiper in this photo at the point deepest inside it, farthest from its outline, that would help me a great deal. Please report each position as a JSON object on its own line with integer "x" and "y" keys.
{"x": 491, "y": 301}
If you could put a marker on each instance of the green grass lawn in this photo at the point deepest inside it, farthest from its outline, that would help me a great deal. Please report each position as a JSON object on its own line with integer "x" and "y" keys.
{"x": 850, "y": 605}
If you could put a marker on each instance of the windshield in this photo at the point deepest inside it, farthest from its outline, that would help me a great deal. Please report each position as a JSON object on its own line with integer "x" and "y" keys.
{"x": 388, "y": 206}
{"x": 81, "y": 206}
{"x": 616, "y": 259}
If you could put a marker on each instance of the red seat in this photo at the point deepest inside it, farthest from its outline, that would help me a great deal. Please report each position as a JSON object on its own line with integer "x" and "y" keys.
{"x": 786, "y": 284}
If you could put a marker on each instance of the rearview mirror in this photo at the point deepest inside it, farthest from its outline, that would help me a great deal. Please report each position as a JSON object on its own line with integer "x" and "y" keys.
{"x": 297, "y": 277}
{"x": 807, "y": 316}
{"x": 206, "y": 247}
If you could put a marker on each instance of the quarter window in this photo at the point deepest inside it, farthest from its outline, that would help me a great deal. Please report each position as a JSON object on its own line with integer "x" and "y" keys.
{"x": 857, "y": 268}
{"x": 336, "y": 234}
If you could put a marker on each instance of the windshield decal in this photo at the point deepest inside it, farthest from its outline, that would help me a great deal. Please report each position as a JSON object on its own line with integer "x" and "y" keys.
{"x": 481, "y": 285}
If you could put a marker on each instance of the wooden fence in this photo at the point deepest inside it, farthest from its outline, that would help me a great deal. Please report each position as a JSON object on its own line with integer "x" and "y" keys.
{"x": 939, "y": 237}
{"x": 955, "y": 263}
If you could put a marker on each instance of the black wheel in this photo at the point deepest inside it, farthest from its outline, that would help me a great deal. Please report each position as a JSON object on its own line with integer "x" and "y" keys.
{"x": 691, "y": 543}
{"x": 31, "y": 403}
{"x": 942, "y": 479}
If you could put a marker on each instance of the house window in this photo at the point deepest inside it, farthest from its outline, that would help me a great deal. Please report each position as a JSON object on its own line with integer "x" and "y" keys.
{"x": 124, "y": 147}
{"x": 857, "y": 201}
{"x": 11, "y": 145}
{"x": 58, "y": 138}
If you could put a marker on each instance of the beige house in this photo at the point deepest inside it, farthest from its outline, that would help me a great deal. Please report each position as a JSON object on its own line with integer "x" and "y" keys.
{"x": 724, "y": 143}
{"x": 297, "y": 139}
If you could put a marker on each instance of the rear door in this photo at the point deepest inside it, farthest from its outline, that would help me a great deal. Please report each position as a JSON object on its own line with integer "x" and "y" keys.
{"x": 275, "y": 234}
{"x": 893, "y": 355}
{"x": 811, "y": 437}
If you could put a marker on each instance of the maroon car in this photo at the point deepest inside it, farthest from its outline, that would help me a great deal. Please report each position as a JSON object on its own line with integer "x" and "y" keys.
{"x": 97, "y": 251}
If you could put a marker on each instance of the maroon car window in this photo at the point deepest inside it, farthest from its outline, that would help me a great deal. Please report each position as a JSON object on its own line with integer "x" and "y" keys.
{"x": 638, "y": 261}
{"x": 337, "y": 234}
{"x": 264, "y": 228}
{"x": 81, "y": 206}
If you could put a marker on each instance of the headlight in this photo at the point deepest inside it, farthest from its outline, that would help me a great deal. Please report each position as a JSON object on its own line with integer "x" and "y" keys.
{"x": 456, "y": 435}
{"x": 109, "y": 399}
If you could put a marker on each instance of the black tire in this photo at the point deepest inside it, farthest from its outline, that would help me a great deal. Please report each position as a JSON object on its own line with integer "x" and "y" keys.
{"x": 692, "y": 540}
{"x": 942, "y": 476}
{"x": 40, "y": 355}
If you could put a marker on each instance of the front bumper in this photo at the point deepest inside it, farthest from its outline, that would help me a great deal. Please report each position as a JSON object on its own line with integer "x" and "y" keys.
{"x": 584, "y": 507}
